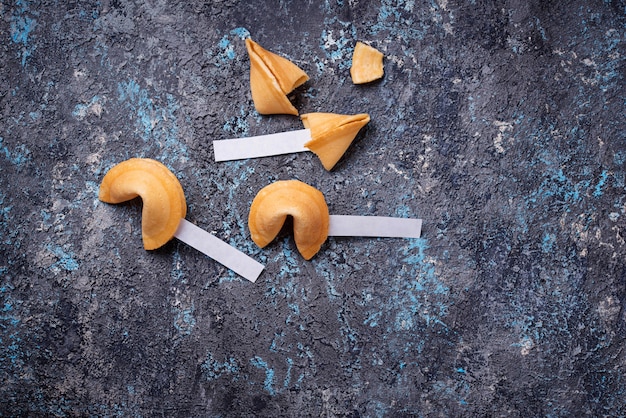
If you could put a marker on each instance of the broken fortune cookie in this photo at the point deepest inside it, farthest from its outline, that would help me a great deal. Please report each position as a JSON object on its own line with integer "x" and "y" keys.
{"x": 367, "y": 64}
{"x": 328, "y": 135}
{"x": 332, "y": 134}
{"x": 272, "y": 78}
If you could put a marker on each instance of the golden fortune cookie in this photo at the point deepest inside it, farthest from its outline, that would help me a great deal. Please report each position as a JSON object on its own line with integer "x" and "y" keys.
{"x": 161, "y": 193}
{"x": 332, "y": 134}
{"x": 367, "y": 64}
{"x": 272, "y": 78}
{"x": 304, "y": 203}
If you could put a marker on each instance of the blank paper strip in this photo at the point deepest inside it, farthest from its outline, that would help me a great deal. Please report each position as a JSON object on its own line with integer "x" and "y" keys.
{"x": 218, "y": 250}
{"x": 261, "y": 146}
{"x": 374, "y": 226}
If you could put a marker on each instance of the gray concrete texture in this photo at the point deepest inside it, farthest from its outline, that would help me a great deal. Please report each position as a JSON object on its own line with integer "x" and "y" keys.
{"x": 499, "y": 123}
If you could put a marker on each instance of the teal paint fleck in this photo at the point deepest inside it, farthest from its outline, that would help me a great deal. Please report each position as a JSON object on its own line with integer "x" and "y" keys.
{"x": 608, "y": 74}
{"x": 273, "y": 346}
{"x": 242, "y": 33}
{"x": 471, "y": 108}
{"x": 289, "y": 263}
{"x": 184, "y": 320}
{"x": 11, "y": 354}
{"x": 597, "y": 192}
{"x": 288, "y": 375}
{"x": 372, "y": 319}
{"x": 66, "y": 260}
{"x": 268, "y": 384}
{"x": 295, "y": 309}
{"x": 337, "y": 41}
{"x": 548, "y": 242}
{"x": 81, "y": 110}
{"x": 238, "y": 125}
{"x": 156, "y": 123}
{"x": 213, "y": 369}
{"x": 454, "y": 389}
{"x": 420, "y": 292}
{"x": 398, "y": 19}
{"x": 177, "y": 274}
{"x": 557, "y": 185}
{"x": 18, "y": 156}
{"x": 22, "y": 25}
{"x": 227, "y": 49}
{"x": 403, "y": 211}
{"x": 5, "y": 218}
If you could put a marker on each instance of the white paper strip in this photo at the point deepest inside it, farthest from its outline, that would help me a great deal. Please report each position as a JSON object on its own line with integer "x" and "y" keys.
{"x": 219, "y": 250}
{"x": 374, "y": 226}
{"x": 261, "y": 146}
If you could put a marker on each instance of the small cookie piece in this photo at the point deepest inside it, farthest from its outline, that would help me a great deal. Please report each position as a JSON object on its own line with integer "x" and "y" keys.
{"x": 367, "y": 64}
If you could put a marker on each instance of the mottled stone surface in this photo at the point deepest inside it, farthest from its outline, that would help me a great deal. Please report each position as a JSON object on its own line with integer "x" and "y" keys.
{"x": 500, "y": 123}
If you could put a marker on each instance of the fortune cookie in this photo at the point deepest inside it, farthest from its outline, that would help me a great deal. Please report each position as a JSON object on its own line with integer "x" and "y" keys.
{"x": 332, "y": 134}
{"x": 161, "y": 193}
{"x": 304, "y": 203}
{"x": 272, "y": 78}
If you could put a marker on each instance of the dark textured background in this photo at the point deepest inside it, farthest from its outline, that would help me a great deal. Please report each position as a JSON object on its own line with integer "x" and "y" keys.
{"x": 500, "y": 123}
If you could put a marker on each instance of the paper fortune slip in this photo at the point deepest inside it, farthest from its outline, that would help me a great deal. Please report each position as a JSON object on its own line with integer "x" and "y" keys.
{"x": 374, "y": 226}
{"x": 340, "y": 225}
{"x": 219, "y": 250}
{"x": 262, "y": 145}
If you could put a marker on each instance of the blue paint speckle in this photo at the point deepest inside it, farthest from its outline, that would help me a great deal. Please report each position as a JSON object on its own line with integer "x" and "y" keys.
{"x": 423, "y": 294}
{"x": 213, "y": 369}
{"x": 398, "y": 19}
{"x": 547, "y": 242}
{"x": 227, "y": 48}
{"x": 94, "y": 105}
{"x": 238, "y": 125}
{"x": 156, "y": 124}
{"x": 268, "y": 384}
{"x": 287, "y": 379}
{"x": 66, "y": 260}
{"x": 372, "y": 319}
{"x": 242, "y": 33}
{"x": 5, "y": 218}
{"x": 22, "y": 26}
{"x": 597, "y": 192}
{"x": 184, "y": 319}
{"x": 18, "y": 156}
{"x": 337, "y": 41}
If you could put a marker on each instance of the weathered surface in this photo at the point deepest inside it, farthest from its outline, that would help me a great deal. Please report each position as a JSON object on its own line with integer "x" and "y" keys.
{"x": 501, "y": 124}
